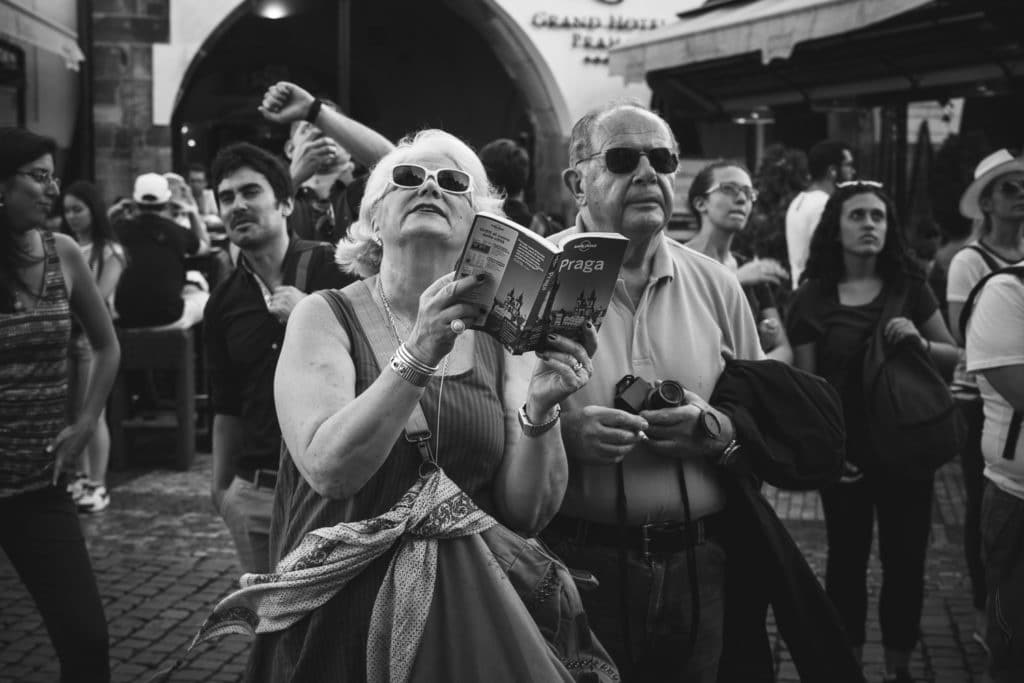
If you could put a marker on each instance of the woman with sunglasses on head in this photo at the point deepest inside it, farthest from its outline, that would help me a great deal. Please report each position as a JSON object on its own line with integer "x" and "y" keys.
{"x": 85, "y": 219}
{"x": 722, "y": 196}
{"x": 354, "y": 366}
{"x": 857, "y": 259}
{"x": 44, "y": 281}
{"x": 995, "y": 200}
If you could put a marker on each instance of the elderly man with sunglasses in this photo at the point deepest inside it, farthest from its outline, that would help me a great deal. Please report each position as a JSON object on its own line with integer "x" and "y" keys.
{"x": 642, "y": 509}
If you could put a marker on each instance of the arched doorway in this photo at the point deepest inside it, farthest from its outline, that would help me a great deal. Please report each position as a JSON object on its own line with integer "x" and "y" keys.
{"x": 461, "y": 65}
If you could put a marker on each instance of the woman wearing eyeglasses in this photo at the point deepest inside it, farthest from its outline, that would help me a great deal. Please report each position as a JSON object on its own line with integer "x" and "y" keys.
{"x": 857, "y": 258}
{"x": 722, "y": 196}
{"x": 354, "y": 366}
{"x": 43, "y": 282}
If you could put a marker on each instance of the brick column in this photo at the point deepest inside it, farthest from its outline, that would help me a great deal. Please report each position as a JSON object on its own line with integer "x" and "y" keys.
{"x": 127, "y": 143}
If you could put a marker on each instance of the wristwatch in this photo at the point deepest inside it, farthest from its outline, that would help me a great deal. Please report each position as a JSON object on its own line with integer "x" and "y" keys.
{"x": 531, "y": 429}
{"x": 710, "y": 425}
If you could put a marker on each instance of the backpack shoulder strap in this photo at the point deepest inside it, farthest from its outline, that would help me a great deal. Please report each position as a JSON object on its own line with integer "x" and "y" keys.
{"x": 965, "y": 312}
{"x": 1017, "y": 418}
{"x": 378, "y": 334}
{"x": 989, "y": 259}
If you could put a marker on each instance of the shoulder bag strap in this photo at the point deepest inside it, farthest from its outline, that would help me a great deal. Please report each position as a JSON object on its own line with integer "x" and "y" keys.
{"x": 378, "y": 334}
{"x": 893, "y": 306}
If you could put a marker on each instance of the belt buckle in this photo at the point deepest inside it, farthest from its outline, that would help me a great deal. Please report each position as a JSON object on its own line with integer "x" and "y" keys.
{"x": 646, "y": 531}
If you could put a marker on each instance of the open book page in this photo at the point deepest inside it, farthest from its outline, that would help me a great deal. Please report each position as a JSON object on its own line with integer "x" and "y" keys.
{"x": 535, "y": 286}
{"x": 516, "y": 262}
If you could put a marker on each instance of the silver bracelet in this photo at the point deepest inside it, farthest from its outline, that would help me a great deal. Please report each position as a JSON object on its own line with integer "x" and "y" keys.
{"x": 531, "y": 429}
{"x": 410, "y": 374}
{"x": 407, "y": 357}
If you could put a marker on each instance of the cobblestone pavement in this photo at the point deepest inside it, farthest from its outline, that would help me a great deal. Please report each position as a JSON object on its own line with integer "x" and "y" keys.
{"x": 162, "y": 559}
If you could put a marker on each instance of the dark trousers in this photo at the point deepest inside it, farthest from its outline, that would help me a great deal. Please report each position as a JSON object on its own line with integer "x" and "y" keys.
{"x": 1003, "y": 541}
{"x": 660, "y": 609}
{"x": 904, "y": 509}
{"x": 41, "y": 535}
{"x": 973, "y": 465}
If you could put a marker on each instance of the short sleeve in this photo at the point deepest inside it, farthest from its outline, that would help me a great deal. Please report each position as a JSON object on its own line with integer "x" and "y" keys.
{"x": 225, "y": 387}
{"x": 995, "y": 333}
{"x": 803, "y": 319}
{"x": 923, "y": 304}
{"x": 966, "y": 269}
{"x": 740, "y": 329}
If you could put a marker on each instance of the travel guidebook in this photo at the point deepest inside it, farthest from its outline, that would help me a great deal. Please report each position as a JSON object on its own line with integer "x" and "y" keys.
{"x": 536, "y": 287}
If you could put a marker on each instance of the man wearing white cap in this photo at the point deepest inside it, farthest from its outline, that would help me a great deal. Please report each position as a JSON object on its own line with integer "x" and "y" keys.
{"x": 995, "y": 201}
{"x": 153, "y": 291}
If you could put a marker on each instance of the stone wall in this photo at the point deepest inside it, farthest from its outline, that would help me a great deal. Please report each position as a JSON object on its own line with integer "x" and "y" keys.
{"x": 126, "y": 141}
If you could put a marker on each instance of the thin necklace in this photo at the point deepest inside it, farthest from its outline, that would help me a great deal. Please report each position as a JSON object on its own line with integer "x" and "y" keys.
{"x": 387, "y": 309}
{"x": 444, "y": 368}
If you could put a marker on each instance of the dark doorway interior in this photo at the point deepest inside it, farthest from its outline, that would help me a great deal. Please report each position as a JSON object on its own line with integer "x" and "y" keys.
{"x": 411, "y": 66}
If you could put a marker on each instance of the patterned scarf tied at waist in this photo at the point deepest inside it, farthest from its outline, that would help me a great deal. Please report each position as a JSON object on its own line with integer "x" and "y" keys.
{"x": 328, "y": 558}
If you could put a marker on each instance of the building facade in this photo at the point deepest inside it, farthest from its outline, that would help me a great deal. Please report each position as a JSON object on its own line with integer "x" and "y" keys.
{"x": 177, "y": 79}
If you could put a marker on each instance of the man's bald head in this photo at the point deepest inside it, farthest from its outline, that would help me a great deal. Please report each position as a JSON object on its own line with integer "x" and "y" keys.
{"x": 581, "y": 140}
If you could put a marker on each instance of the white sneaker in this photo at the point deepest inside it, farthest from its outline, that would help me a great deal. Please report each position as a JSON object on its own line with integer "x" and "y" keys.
{"x": 76, "y": 487}
{"x": 94, "y": 498}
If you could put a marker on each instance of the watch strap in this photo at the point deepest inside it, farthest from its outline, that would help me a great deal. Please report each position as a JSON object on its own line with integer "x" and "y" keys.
{"x": 313, "y": 111}
{"x": 531, "y": 429}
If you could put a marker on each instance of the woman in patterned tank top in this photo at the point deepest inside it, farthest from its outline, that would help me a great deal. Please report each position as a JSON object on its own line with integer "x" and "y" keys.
{"x": 43, "y": 281}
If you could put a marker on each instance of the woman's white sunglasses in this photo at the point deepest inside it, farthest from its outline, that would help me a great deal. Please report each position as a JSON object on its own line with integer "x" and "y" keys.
{"x": 411, "y": 176}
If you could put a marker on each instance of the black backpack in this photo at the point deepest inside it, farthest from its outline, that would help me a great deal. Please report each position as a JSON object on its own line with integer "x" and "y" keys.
{"x": 913, "y": 421}
{"x": 1013, "y": 433}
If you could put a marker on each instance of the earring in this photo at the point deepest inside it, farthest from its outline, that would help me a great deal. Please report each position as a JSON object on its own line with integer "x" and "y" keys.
{"x": 376, "y": 239}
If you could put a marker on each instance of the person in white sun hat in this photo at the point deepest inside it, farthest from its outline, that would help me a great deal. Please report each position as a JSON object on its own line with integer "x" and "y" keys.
{"x": 995, "y": 201}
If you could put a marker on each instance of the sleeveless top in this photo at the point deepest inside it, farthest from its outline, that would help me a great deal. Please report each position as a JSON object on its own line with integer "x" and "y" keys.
{"x": 330, "y": 644}
{"x": 34, "y": 381}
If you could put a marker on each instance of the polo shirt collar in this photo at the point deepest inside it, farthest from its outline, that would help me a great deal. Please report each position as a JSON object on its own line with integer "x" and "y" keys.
{"x": 662, "y": 267}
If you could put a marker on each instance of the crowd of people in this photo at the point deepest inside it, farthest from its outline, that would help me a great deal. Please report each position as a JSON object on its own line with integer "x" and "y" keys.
{"x": 385, "y": 471}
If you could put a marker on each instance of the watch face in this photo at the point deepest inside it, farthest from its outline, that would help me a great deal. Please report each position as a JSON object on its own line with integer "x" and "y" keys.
{"x": 710, "y": 424}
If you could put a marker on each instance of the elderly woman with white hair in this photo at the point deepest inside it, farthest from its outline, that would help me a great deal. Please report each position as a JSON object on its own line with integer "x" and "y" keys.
{"x": 395, "y": 555}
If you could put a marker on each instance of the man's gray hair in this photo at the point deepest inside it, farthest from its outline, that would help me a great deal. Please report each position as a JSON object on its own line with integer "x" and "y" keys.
{"x": 359, "y": 252}
{"x": 581, "y": 140}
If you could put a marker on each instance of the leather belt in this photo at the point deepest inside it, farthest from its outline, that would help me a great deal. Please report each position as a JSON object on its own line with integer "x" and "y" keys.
{"x": 646, "y": 539}
{"x": 261, "y": 479}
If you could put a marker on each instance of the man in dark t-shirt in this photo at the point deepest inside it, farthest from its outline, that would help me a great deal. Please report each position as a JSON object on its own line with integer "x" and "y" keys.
{"x": 244, "y": 330}
{"x": 150, "y": 291}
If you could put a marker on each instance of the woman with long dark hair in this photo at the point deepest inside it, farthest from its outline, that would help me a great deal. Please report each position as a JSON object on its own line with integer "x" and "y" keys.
{"x": 85, "y": 219}
{"x": 858, "y": 259}
{"x": 43, "y": 282}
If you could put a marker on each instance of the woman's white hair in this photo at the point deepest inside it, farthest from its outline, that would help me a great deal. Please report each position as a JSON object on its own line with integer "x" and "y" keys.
{"x": 358, "y": 252}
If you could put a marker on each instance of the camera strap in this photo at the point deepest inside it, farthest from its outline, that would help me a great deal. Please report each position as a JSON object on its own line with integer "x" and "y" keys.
{"x": 691, "y": 560}
{"x": 620, "y": 513}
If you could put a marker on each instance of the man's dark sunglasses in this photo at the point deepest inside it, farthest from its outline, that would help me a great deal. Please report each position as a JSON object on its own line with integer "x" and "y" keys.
{"x": 626, "y": 159}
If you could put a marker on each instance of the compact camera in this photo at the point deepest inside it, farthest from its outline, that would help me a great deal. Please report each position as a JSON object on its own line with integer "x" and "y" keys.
{"x": 634, "y": 394}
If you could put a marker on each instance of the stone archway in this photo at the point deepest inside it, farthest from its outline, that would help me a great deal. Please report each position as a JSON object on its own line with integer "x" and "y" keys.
{"x": 522, "y": 62}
